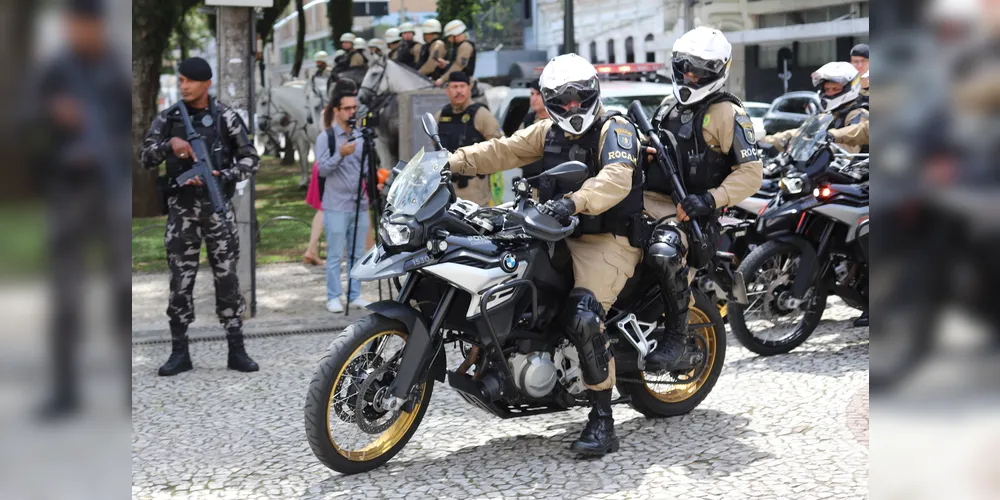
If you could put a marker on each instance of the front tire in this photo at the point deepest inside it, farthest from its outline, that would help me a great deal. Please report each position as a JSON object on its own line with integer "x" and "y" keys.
{"x": 334, "y": 403}
{"x": 768, "y": 272}
{"x": 653, "y": 398}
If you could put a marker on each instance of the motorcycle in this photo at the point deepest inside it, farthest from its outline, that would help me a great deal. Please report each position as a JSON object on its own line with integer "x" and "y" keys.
{"x": 493, "y": 281}
{"x": 813, "y": 241}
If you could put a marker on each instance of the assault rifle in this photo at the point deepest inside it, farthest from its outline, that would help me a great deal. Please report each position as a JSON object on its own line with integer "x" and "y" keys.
{"x": 202, "y": 168}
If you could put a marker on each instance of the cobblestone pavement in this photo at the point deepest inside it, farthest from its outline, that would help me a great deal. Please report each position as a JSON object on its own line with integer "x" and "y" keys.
{"x": 792, "y": 426}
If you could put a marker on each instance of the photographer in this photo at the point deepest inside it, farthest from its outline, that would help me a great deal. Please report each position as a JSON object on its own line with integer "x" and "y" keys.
{"x": 339, "y": 154}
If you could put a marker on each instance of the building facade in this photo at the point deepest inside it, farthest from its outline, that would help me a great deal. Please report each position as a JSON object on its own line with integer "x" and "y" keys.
{"x": 617, "y": 31}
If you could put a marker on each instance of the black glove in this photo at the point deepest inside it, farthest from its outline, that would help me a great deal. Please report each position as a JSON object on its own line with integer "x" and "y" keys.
{"x": 698, "y": 205}
{"x": 561, "y": 210}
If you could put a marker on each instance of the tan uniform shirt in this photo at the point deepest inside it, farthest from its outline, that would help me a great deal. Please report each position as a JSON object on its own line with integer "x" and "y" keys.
{"x": 485, "y": 123}
{"x": 357, "y": 60}
{"x": 852, "y": 135}
{"x": 393, "y": 51}
{"x": 462, "y": 55}
{"x": 781, "y": 139}
{"x": 415, "y": 51}
{"x": 438, "y": 49}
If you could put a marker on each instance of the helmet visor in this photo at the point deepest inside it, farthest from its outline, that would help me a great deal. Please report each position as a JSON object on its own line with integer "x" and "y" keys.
{"x": 705, "y": 70}
{"x": 572, "y": 98}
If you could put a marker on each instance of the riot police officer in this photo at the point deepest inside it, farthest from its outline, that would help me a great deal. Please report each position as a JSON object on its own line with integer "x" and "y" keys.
{"x": 191, "y": 218}
{"x": 431, "y": 63}
{"x": 462, "y": 56}
{"x": 463, "y": 123}
{"x": 409, "y": 49}
{"x": 393, "y": 41}
{"x": 719, "y": 167}
{"x": 353, "y": 57}
{"x": 607, "y": 203}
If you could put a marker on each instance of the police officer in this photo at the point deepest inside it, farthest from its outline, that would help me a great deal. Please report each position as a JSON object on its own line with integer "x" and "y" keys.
{"x": 718, "y": 166}
{"x": 409, "y": 49}
{"x": 839, "y": 88}
{"x": 463, "y": 123}
{"x": 536, "y": 114}
{"x": 360, "y": 54}
{"x": 353, "y": 57}
{"x": 431, "y": 63}
{"x": 393, "y": 41}
{"x": 463, "y": 54}
{"x": 606, "y": 204}
{"x": 377, "y": 47}
{"x": 321, "y": 73}
{"x": 191, "y": 218}
{"x": 860, "y": 61}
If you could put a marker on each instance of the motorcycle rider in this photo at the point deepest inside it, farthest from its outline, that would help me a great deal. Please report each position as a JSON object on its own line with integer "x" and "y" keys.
{"x": 431, "y": 63}
{"x": 718, "y": 164}
{"x": 463, "y": 54}
{"x": 839, "y": 85}
{"x": 409, "y": 49}
{"x": 606, "y": 203}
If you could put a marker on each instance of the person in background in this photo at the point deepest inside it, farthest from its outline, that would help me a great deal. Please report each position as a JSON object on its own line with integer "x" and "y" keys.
{"x": 339, "y": 158}
{"x": 535, "y": 115}
{"x": 392, "y": 41}
{"x": 463, "y": 54}
{"x": 431, "y": 63}
{"x": 464, "y": 123}
{"x": 409, "y": 49}
{"x": 860, "y": 61}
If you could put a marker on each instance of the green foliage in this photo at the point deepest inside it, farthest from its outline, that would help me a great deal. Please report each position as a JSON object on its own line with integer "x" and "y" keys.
{"x": 466, "y": 10}
{"x": 265, "y": 25}
{"x": 192, "y": 32}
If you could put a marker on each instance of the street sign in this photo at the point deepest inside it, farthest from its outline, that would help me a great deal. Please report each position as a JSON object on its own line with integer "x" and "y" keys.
{"x": 241, "y": 3}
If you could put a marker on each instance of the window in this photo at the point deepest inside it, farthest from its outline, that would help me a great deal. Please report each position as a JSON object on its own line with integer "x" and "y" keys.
{"x": 629, "y": 51}
{"x": 650, "y": 54}
{"x": 798, "y": 105}
{"x": 767, "y": 56}
{"x": 593, "y": 52}
{"x": 611, "y": 51}
{"x": 817, "y": 53}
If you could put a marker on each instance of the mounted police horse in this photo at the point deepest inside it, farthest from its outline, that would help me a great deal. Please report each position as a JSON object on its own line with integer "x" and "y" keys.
{"x": 286, "y": 110}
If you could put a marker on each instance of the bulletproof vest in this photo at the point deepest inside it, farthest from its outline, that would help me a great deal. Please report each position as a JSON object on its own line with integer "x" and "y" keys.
{"x": 357, "y": 51}
{"x": 701, "y": 168}
{"x": 207, "y": 122}
{"x": 425, "y": 53}
{"x": 587, "y": 149}
{"x": 840, "y": 117}
{"x": 404, "y": 54}
{"x": 458, "y": 130}
{"x": 537, "y": 167}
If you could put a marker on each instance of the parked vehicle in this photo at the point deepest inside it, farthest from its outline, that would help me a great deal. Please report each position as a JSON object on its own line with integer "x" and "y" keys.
{"x": 757, "y": 110}
{"x": 790, "y": 111}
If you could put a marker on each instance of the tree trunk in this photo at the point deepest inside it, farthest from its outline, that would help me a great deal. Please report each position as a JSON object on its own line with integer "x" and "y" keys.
{"x": 300, "y": 42}
{"x": 341, "y": 16}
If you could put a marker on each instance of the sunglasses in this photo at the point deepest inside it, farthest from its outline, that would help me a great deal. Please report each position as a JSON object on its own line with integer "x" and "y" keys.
{"x": 348, "y": 108}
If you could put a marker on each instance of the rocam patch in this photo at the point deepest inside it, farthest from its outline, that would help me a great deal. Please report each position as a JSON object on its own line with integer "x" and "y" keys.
{"x": 744, "y": 122}
{"x": 625, "y": 138}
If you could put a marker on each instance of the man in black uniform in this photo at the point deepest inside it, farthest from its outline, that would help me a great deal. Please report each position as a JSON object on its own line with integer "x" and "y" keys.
{"x": 191, "y": 217}
{"x": 719, "y": 168}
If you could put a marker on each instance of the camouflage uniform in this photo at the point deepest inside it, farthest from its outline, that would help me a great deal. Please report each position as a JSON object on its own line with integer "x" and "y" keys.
{"x": 190, "y": 216}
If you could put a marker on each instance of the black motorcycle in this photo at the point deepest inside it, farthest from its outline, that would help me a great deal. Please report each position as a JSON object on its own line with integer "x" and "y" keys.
{"x": 813, "y": 241}
{"x": 493, "y": 281}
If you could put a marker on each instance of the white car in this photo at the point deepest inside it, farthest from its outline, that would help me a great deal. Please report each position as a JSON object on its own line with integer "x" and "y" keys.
{"x": 757, "y": 110}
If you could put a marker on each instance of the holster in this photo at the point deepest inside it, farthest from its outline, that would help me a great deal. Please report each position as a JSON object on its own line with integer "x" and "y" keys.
{"x": 640, "y": 231}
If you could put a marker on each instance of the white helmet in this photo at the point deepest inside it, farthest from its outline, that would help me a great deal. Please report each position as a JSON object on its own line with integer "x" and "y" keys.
{"x": 707, "y": 54}
{"x": 569, "y": 79}
{"x": 339, "y": 53}
{"x": 453, "y": 28}
{"x": 840, "y": 72}
{"x": 378, "y": 43}
{"x": 431, "y": 26}
{"x": 360, "y": 43}
{"x": 321, "y": 56}
{"x": 347, "y": 37}
{"x": 392, "y": 35}
{"x": 407, "y": 27}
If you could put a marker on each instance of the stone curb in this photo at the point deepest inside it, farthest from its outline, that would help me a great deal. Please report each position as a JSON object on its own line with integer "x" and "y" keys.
{"x": 147, "y": 333}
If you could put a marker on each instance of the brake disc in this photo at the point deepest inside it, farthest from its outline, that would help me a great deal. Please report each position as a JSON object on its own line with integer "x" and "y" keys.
{"x": 368, "y": 394}
{"x": 344, "y": 408}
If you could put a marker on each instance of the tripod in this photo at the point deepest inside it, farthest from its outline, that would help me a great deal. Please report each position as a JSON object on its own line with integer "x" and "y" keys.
{"x": 367, "y": 186}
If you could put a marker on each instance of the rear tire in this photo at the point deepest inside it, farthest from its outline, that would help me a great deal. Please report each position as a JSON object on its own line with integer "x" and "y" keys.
{"x": 751, "y": 268}
{"x": 346, "y": 353}
{"x": 662, "y": 400}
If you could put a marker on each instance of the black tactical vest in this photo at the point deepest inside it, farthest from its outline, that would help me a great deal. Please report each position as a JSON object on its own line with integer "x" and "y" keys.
{"x": 208, "y": 124}
{"x": 458, "y": 130}
{"x": 701, "y": 168}
{"x": 840, "y": 117}
{"x": 470, "y": 67}
{"x": 425, "y": 53}
{"x": 587, "y": 149}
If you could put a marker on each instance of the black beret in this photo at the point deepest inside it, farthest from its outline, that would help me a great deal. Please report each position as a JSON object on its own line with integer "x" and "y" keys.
{"x": 458, "y": 76}
{"x": 196, "y": 69}
{"x": 860, "y": 49}
{"x": 85, "y": 8}
{"x": 533, "y": 84}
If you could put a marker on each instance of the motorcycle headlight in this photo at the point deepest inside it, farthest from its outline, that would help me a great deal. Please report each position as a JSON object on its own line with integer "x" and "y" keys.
{"x": 399, "y": 231}
{"x": 791, "y": 185}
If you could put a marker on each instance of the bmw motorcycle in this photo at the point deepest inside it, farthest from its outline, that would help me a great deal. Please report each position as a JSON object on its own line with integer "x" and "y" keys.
{"x": 813, "y": 241}
{"x": 491, "y": 281}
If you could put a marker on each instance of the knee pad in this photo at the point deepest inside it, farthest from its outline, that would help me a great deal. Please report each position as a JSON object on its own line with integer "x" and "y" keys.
{"x": 584, "y": 324}
{"x": 666, "y": 250}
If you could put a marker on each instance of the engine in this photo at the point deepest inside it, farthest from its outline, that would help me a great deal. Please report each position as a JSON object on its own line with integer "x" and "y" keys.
{"x": 534, "y": 373}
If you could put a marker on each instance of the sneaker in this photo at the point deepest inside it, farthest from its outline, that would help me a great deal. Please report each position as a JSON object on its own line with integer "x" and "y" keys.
{"x": 359, "y": 303}
{"x": 333, "y": 305}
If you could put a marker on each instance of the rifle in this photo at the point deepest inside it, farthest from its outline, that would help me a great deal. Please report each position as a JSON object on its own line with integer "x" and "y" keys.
{"x": 661, "y": 158}
{"x": 202, "y": 168}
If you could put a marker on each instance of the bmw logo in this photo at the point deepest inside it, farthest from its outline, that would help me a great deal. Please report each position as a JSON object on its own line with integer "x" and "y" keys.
{"x": 509, "y": 263}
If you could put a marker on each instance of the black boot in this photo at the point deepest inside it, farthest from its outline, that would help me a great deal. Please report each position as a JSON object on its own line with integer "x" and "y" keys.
{"x": 673, "y": 351}
{"x": 180, "y": 358}
{"x": 862, "y": 320}
{"x": 239, "y": 360}
{"x": 598, "y": 437}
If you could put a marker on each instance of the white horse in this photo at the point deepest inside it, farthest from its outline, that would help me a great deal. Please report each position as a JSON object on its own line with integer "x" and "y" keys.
{"x": 384, "y": 80}
{"x": 287, "y": 110}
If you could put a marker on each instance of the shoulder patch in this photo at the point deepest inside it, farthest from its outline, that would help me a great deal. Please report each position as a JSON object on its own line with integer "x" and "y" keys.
{"x": 747, "y": 126}
{"x": 706, "y": 121}
{"x": 624, "y": 136}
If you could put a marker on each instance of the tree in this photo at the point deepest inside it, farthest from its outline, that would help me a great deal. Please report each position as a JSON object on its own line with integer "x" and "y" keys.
{"x": 265, "y": 28}
{"x": 300, "y": 42}
{"x": 466, "y": 10}
{"x": 153, "y": 21}
{"x": 340, "y": 13}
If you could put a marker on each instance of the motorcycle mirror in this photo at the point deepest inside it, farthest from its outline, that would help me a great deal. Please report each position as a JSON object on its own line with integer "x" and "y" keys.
{"x": 430, "y": 125}
{"x": 570, "y": 172}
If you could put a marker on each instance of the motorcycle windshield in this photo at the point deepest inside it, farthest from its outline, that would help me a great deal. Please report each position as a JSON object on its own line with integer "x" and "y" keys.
{"x": 811, "y": 133}
{"x": 417, "y": 182}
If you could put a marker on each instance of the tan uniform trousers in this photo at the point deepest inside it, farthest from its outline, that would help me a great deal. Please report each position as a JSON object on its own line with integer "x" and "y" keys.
{"x": 478, "y": 191}
{"x": 602, "y": 263}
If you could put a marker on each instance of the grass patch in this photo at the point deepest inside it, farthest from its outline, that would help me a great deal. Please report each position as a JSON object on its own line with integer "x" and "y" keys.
{"x": 278, "y": 194}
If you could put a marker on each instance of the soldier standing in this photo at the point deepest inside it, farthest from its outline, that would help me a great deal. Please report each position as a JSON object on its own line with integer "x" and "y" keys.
{"x": 191, "y": 218}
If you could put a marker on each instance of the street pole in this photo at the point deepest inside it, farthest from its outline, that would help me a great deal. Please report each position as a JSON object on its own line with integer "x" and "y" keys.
{"x": 236, "y": 58}
{"x": 689, "y": 14}
{"x": 568, "y": 35}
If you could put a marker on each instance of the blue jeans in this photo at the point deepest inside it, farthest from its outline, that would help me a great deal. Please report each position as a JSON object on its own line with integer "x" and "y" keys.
{"x": 339, "y": 231}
